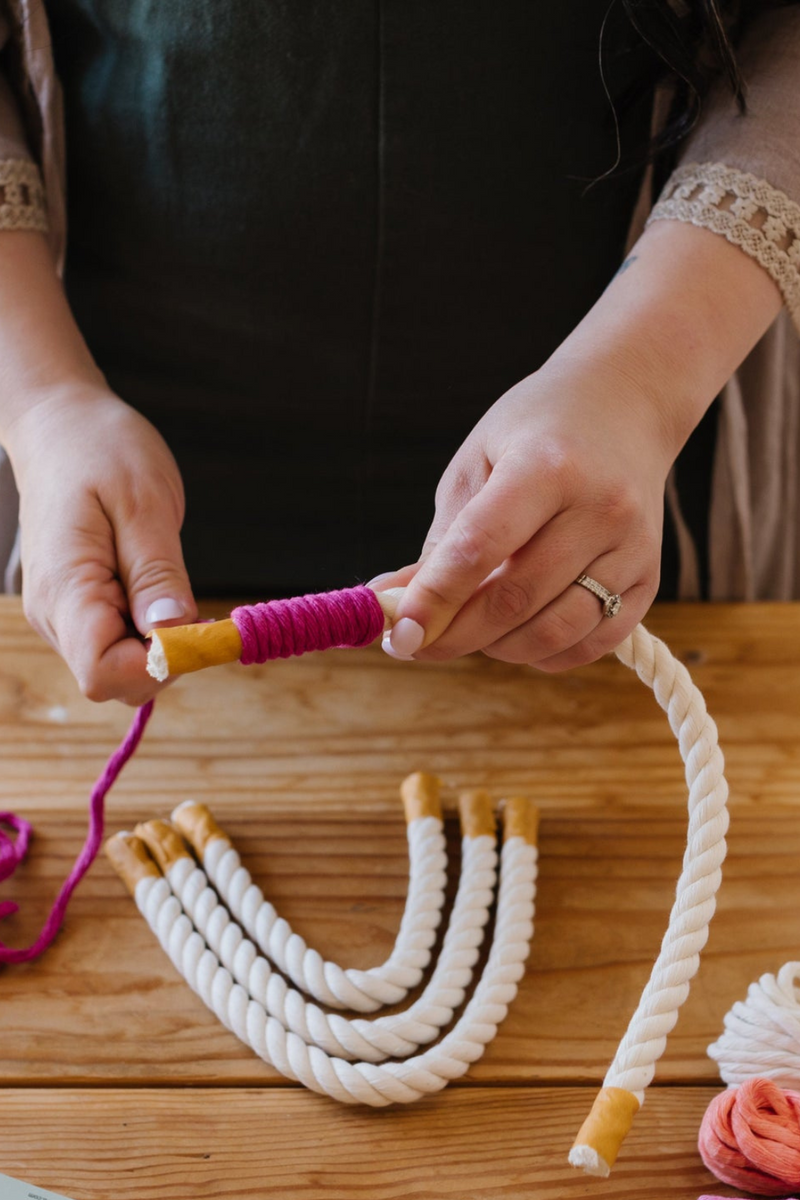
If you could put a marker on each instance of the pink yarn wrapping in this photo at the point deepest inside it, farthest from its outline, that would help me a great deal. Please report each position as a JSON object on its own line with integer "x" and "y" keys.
{"x": 282, "y": 628}
{"x": 12, "y": 853}
{"x": 750, "y": 1138}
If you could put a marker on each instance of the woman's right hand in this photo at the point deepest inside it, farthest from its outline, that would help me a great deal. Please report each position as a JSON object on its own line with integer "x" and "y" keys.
{"x": 101, "y": 507}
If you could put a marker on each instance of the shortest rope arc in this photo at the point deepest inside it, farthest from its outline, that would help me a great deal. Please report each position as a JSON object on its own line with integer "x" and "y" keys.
{"x": 364, "y": 991}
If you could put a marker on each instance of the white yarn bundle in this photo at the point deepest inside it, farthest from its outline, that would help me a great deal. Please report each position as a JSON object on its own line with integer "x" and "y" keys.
{"x": 761, "y": 1038}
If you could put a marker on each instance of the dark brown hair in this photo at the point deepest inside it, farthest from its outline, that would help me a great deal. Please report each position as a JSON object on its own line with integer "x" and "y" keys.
{"x": 696, "y": 42}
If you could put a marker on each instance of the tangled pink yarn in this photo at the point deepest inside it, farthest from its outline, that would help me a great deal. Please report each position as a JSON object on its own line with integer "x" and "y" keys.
{"x": 750, "y": 1138}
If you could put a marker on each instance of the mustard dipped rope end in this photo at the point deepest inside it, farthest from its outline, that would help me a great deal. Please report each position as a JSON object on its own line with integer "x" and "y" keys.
{"x": 197, "y": 825}
{"x": 476, "y": 814}
{"x": 131, "y": 859}
{"x": 179, "y": 649}
{"x": 520, "y": 818}
{"x": 604, "y": 1130}
{"x": 420, "y": 793}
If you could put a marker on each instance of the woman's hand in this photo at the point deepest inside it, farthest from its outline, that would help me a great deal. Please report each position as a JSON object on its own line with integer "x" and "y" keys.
{"x": 565, "y": 474}
{"x": 101, "y": 507}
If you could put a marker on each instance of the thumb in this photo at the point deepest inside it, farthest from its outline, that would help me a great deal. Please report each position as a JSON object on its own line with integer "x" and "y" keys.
{"x": 153, "y": 573}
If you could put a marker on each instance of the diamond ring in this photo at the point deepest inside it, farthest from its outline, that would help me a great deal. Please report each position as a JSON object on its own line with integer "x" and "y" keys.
{"x": 612, "y": 602}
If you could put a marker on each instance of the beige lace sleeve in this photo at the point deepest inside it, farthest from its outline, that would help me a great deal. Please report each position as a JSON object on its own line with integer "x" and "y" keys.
{"x": 748, "y": 211}
{"x": 22, "y": 198}
{"x": 739, "y": 175}
{"x": 22, "y": 204}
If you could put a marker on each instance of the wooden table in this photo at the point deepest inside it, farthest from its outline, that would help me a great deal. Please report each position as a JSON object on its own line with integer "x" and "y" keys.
{"x": 117, "y": 1082}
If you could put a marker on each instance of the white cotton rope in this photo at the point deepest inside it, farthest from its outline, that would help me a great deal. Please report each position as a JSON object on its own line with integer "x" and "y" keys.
{"x": 375, "y": 1084}
{"x": 329, "y": 984}
{"x": 646, "y": 1037}
{"x": 762, "y": 1033}
{"x": 374, "y": 1040}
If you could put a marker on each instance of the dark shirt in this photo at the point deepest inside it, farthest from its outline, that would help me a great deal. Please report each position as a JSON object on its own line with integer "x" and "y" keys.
{"x": 314, "y": 242}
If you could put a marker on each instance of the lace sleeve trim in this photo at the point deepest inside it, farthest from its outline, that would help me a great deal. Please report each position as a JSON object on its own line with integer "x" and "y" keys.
{"x": 22, "y": 199}
{"x": 749, "y": 212}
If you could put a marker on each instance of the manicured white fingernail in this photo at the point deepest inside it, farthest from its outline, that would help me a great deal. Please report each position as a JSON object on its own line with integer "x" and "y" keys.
{"x": 380, "y": 578}
{"x": 388, "y": 648}
{"x": 163, "y": 610}
{"x": 407, "y": 636}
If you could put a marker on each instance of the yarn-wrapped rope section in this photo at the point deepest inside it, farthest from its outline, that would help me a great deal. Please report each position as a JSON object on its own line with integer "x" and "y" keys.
{"x": 603, "y": 1132}
{"x": 329, "y": 984}
{"x": 375, "y": 1084}
{"x": 260, "y": 633}
{"x": 395, "y": 1036}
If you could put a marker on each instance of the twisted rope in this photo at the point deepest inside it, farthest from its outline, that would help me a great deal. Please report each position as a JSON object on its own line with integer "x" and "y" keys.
{"x": 375, "y": 1084}
{"x": 384, "y": 1037}
{"x": 328, "y": 983}
{"x": 644, "y": 1042}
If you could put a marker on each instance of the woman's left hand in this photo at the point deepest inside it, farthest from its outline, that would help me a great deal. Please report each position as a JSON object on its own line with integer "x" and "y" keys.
{"x": 565, "y": 474}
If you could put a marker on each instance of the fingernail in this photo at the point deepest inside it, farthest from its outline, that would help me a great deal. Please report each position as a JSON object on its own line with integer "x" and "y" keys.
{"x": 388, "y": 648}
{"x": 380, "y": 578}
{"x": 407, "y": 636}
{"x": 163, "y": 610}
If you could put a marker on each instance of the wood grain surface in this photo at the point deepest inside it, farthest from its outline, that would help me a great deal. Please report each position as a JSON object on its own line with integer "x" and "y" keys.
{"x": 118, "y": 1081}
{"x": 475, "y": 1144}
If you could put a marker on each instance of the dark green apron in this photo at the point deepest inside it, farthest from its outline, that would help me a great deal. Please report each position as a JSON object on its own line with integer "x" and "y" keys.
{"x": 314, "y": 241}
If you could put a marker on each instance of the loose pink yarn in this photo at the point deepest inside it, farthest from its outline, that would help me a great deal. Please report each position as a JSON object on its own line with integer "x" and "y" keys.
{"x": 750, "y": 1138}
{"x": 278, "y": 629}
{"x": 12, "y": 853}
{"x": 282, "y": 628}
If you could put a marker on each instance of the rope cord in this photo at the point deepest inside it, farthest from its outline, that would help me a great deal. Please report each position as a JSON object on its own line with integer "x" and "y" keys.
{"x": 646, "y": 1037}
{"x": 356, "y": 617}
{"x": 375, "y": 1084}
{"x": 384, "y": 1037}
{"x": 361, "y": 991}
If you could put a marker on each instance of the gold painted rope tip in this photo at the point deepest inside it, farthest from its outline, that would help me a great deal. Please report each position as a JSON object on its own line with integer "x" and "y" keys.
{"x": 420, "y": 793}
{"x": 163, "y": 841}
{"x": 197, "y": 824}
{"x": 180, "y": 649}
{"x": 520, "y": 818}
{"x": 130, "y": 858}
{"x": 598, "y": 1143}
{"x": 476, "y": 811}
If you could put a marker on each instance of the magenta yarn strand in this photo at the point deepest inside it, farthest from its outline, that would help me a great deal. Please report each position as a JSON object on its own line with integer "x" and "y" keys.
{"x": 12, "y": 853}
{"x": 90, "y": 848}
{"x": 283, "y": 628}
